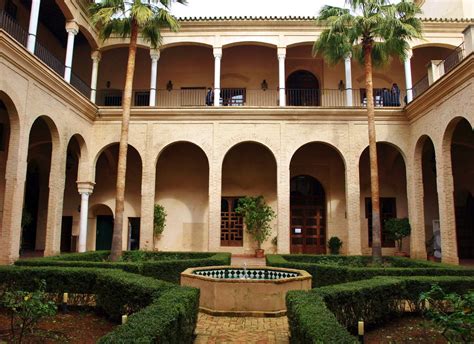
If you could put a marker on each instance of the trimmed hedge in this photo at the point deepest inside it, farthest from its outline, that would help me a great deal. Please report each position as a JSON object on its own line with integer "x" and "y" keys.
{"x": 161, "y": 311}
{"x": 333, "y": 311}
{"x": 329, "y": 270}
{"x": 166, "y": 266}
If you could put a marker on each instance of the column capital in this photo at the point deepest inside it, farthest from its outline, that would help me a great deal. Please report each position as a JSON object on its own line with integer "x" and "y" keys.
{"x": 217, "y": 52}
{"x": 96, "y": 55}
{"x": 72, "y": 27}
{"x": 85, "y": 187}
{"x": 409, "y": 54}
{"x": 281, "y": 51}
{"x": 348, "y": 56}
{"x": 155, "y": 54}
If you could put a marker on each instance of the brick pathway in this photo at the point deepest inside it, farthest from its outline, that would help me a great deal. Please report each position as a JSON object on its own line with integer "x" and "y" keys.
{"x": 241, "y": 330}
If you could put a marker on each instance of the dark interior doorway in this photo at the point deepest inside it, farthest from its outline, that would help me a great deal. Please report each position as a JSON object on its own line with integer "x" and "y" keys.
{"x": 232, "y": 224}
{"x": 104, "y": 231}
{"x": 66, "y": 234}
{"x": 302, "y": 89}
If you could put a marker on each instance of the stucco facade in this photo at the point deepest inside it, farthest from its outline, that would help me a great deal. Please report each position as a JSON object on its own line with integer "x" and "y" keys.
{"x": 58, "y": 157}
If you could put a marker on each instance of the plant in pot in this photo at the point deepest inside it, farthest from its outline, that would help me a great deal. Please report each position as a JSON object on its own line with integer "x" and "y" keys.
{"x": 430, "y": 249}
{"x": 397, "y": 229}
{"x": 334, "y": 244}
{"x": 159, "y": 222}
{"x": 257, "y": 217}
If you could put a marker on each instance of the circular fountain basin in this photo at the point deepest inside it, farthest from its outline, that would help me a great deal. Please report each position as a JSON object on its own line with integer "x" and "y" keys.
{"x": 253, "y": 291}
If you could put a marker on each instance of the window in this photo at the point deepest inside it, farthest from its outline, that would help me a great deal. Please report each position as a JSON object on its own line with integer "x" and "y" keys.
{"x": 233, "y": 96}
{"x": 142, "y": 98}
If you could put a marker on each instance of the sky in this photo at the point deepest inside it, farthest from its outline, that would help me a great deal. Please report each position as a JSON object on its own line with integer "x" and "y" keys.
{"x": 279, "y": 8}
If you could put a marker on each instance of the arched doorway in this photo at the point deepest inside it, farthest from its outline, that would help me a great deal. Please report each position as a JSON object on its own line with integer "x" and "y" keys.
{"x": 462, "y": 152}
{"x": 302, "y": 89}
{"x": 248, "y": 169}
{"x": 307, "y": 215}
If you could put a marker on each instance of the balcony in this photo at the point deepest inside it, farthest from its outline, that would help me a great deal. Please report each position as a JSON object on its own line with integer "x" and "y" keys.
{"x": 242, "y": 97}
{"x": 14, "y": 29}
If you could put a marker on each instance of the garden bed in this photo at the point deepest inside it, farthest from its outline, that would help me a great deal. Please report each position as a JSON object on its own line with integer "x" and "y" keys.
{"x": 407, "y": 329}
{"x": 334, "y": 269}
{"x": 331, "y": 313}
{"x": 72, "y": 327}
{"x": 166, "y": 266}
{"x": 159, "y": 311}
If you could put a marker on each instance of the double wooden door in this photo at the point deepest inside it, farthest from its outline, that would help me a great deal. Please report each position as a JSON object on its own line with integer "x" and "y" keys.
{"x": 307, "y": 216}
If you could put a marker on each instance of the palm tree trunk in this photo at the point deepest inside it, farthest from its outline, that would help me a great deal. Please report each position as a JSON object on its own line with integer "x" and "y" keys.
{"x": 374, "y": 170}
{"x": 116, "y": 251}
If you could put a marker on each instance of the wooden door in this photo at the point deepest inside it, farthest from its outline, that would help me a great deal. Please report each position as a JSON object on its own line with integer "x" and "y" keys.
{"x": 307, "y": 216}
{"x": 232, "y": 224}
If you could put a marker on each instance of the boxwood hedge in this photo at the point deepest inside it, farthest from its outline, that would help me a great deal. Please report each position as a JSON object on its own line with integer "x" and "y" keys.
{"x": 328, "y": 270}
{"x": 330, "y": 314}
{"x": 161, "y": 311}
{"x": 166, "y": 266}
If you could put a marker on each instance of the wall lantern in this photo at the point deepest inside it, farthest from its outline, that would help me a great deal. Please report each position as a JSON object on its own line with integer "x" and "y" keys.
{"x": 169, "y": 86}
{"x": 264, "y": 85}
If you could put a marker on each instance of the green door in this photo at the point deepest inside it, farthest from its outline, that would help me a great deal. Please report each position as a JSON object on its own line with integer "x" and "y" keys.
{"x": 105, "y": 228}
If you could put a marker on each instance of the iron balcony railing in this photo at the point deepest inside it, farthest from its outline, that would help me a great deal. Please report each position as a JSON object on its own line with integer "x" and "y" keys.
{"x": 454, "y": 58}
{"x": 242, "y": 97}
{"x": 421, "y": 86}
{"x": 14, "y": 29}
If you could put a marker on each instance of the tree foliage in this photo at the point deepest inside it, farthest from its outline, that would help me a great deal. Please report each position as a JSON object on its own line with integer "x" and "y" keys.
{"x": 257, "y": 217}
{"x": 398, "y": 229}
{"x": 159, "y": 220}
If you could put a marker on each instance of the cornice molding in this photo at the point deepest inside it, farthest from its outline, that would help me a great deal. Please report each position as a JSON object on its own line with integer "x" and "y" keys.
{"x": 252, "y": 114}
{"x": 458, "y": 78}
{"x": 16, "y": 55}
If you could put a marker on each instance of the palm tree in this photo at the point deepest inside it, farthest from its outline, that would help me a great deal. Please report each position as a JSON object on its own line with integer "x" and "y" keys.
{"x": 129, "y": 18}
{"x": 371, "y": 31}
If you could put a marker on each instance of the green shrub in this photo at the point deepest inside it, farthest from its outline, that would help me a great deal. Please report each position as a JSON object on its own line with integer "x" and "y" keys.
{"x": 310, "y": 321}
{"x": 160, "y": 311}
{"x": 397, "y": 229}
{"x": 171, "y": 319}
{"x": 452, "y": 313}
{"x": 159, "y": 220}
{"x": 165, "y": 266}
{"x": 26, "y": 308}
{"x": 312, "y": 315}
{"x": 328, "y": 270}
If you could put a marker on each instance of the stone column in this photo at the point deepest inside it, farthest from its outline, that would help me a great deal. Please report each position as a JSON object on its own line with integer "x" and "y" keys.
{"x": 72, "y": 29}
{"x": 468, "y": 40}
{"x": 354, "y": 242}
{"x": 281, "y": 77}
{"x": 57, "y": 178}
{"x": 415, "y": 198}
{"x": 408, "y": 80}
{"x": 215, "y": 190}
{"x": 447, "y": 220}
{"x": 217, "y": 75}
{"x": 95, "y": 56}
{"x": 85, "y": 190}
{"x": 148, "y": 193}
{"x": 15, "y": 178}
{"x": 33, "y": 26}
{"x": 348, "y": 76}
{"x": 155, "y": 56}
{"x": 283, "y": 211}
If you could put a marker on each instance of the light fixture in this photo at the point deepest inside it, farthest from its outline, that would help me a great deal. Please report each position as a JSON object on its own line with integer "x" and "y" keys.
{"x": 264, "y": 85}
{"x": 169, "y": 86}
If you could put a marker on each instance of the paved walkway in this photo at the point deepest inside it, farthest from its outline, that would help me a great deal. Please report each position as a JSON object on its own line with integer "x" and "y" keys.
{"x": 217, "y": 330}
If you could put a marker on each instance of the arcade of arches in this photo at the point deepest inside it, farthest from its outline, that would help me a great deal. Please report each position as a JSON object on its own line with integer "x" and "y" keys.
{"x": 317, "y": 192}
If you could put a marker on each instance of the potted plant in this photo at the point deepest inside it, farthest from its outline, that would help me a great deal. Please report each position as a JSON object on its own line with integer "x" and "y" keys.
{"x": 398, "y": 229}
{"x": 257, "y": 217}
{"x": 334, "y": 244}
{"x": 159, "y": 222}
{"x": 430, "y": 249}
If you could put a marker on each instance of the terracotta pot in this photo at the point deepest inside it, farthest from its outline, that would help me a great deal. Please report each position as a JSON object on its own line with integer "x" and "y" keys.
{"x": 259, "y": 253}
{"x": 401, "y": 254}
{"x": 431, "y": 258}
